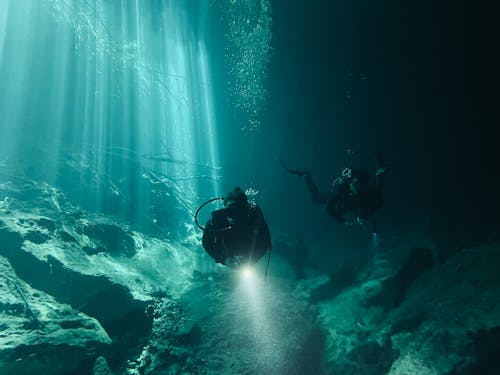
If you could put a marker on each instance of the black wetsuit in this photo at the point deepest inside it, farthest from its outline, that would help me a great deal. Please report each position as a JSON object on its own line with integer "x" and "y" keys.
{"x": 248, "y": 236}
{"x": 342, "y": 200}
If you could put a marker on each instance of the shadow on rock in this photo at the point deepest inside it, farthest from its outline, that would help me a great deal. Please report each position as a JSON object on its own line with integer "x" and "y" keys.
{"x": 394, "y": 289}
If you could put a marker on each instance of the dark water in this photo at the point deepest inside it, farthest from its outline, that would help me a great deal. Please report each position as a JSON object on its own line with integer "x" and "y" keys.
{"x": 414, "y": 80}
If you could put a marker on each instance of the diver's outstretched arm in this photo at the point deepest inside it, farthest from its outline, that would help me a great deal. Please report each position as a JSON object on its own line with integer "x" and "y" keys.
{"x": 317, "y": 196}
{"x": 295, "y": 171}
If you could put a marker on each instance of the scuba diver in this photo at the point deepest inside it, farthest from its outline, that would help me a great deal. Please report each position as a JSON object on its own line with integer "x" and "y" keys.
{"x": 355, "y": 195}
{"x": 236, "y": 234}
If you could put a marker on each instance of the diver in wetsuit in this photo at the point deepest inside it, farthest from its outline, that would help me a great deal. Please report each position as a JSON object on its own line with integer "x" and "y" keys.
{"x": 355, "y": 194}
{"x": 238, "y": 233}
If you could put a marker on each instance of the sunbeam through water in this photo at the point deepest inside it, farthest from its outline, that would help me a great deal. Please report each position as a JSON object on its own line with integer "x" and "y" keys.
{"x": 120, "y": 91}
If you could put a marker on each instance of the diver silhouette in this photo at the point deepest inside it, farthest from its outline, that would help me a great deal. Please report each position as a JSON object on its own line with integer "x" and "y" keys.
{"x": 236, "y": 234}
{"x": 355, "y": 195}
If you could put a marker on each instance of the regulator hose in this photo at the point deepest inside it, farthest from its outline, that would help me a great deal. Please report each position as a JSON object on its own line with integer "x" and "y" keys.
{"x": 199, "y": 208}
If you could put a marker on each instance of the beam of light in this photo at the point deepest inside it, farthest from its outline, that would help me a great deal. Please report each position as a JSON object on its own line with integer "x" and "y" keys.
{"x": 15, "y": 45}
{"x": 251, "y": 290}
{"x": 267, "y": 318}
{"x": 107, "y": 83}
{"x": 208, "y": 114}
{"x": 247, "y": 273}
{"x": 4, "y": 8}
{"x": 258, "y": 301}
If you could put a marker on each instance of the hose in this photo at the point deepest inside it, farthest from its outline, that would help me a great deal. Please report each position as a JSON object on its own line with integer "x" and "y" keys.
{"x": 199, "y": 208}
{"x": 267, "y": 267}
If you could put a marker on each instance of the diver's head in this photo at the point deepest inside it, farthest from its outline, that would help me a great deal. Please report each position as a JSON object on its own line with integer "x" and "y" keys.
{"x": 236, "y": 202}
{"x": 346, "y": 174}
{"x": 236, "y": 197}
{"x": 344, "y": 178}
{"x": 348, "y": 179}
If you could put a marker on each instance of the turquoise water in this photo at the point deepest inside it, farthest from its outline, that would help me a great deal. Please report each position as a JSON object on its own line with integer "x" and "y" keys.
{"x": 125, "y": 93}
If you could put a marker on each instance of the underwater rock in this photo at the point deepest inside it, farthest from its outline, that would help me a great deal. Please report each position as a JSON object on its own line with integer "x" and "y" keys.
{"x": 446, "y": 323}
{"x": 158, "y": 353}
{"x": 191, "y": 338}
{"x": 371, "y": 358}
{"x": 95, "y": 245}
{"x": 119, "y": 313}
{"x": 9, "y": 238}
{"x": 101, "y": 367}
{"x": 394, "y": 289}
{"x": 408, "y": 323}
{"x": 36, "y": 329}
{"x": 111, "y": 238}
{"x": 114, "y": 286}
{"x": 338, "y": 280}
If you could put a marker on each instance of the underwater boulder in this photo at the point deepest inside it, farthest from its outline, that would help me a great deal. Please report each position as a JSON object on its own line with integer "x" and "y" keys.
{"x": 38, "y": 333}
{"x": 394, "y": 289}
{"x": 372, "y": 358}
{"x": 337, "y": 282}
{"x": 101, "y": 367}
{"x": 111, "y": 239}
